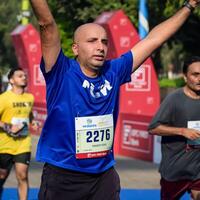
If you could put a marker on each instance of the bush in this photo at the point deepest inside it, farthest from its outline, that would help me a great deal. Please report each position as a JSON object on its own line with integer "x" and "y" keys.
{"x": 174, "y": 83}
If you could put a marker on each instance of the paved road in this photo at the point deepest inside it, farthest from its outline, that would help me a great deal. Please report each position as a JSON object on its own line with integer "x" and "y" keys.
{"x": 134, "y": 174}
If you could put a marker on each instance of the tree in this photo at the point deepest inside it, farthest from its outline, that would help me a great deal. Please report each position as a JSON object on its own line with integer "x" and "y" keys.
{"x": 184, "y": 43}
{"x": 70, "y": 14}
{"x": 83, "y": 12}
{"x": 8, "y": 20}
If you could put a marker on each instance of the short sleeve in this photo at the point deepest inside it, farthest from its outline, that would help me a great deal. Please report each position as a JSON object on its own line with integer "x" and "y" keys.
{"x": 122, "y": 67}
{"x": 164, "y": 114}
{"x": 60, "y": 67}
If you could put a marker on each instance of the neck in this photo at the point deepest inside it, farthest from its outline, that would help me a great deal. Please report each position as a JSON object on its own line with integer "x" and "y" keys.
{"x": 191, "y": 93}
{"x": 17, "y": 90}
{"x": 90, "y": 72}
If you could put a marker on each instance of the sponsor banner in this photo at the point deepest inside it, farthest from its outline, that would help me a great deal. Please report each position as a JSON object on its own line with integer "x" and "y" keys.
{"x": 136, "y": 142}
{"x": 91, "y": 155}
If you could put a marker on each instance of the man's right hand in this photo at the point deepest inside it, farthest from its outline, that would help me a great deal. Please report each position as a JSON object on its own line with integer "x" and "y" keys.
{"x": 189, "y": 133}
{"x": 12, "y": 130}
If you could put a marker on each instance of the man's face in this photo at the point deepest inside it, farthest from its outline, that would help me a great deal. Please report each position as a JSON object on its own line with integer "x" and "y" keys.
{"x": 91, "y": 46}
{"x": 19, "y": 79}
{"x": 192, "y": 77}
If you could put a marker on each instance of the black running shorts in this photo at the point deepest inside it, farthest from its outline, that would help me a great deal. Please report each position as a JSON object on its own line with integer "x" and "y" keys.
{"x": 63, "y": 184}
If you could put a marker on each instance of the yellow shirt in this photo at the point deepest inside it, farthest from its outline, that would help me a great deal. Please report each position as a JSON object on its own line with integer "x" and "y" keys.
{"x": 15, "y": 108}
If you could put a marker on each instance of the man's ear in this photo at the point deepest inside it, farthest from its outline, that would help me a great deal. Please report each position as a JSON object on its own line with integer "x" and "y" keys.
{"x": 75, "y": 49}
{"x": 185, "y": 78}
{"x": 11, "y": 81}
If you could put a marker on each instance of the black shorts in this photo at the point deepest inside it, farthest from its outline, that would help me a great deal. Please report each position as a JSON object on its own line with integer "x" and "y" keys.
{"x": 62, "y": 184}
{"x": 7, "y": 160}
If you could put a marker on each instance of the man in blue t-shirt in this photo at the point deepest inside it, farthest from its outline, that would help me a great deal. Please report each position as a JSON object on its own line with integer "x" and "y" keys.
{"x": 76, "y": 143}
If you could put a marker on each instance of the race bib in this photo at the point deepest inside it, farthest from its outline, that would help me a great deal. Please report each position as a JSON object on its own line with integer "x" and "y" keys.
{"x": 194, "y": 143}
{"x": 17, "y": 120}
{"x": 21, "y": 121}
{"x": 94, "y": 136}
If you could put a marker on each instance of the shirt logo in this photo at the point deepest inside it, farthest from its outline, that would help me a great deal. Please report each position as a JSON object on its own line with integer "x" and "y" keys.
{"x": 22, "y": 104}
{"x": 102, "y": 90}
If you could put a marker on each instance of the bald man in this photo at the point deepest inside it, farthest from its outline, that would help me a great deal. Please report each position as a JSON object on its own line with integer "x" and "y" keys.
{"x": 76, "y": 143}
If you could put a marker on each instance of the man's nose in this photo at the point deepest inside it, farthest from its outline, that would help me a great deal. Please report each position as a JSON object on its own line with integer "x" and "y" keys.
{"x": 100, "y": 45}
{"x": 198, "y": 77}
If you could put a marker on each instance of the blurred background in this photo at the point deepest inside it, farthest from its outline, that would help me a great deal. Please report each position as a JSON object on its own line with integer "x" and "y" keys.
{"x": 137, "y": 153}
{"x": 69, "y": 15}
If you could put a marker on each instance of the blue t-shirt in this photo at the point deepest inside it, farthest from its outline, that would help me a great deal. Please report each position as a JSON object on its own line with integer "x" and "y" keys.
{"x": 71, "y": 94}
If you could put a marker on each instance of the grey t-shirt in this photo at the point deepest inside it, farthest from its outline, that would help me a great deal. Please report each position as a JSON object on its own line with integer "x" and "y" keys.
{"x": 178, "y": 163}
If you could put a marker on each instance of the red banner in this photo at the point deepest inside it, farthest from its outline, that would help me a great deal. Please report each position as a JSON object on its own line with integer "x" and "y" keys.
{"x": 140, "y": 98}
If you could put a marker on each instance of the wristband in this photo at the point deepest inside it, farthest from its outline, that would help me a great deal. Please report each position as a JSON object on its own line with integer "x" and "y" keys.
{"x": 7, "y": 128}
{"x": 188, "y": 5}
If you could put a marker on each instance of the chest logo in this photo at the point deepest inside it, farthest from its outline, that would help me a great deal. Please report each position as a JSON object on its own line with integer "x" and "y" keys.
{"x": 99, "y": 91}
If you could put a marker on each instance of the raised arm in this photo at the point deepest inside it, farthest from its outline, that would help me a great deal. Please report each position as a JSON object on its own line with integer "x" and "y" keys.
{"x": 50, "y": 39}
{"x": 161, "y": 33}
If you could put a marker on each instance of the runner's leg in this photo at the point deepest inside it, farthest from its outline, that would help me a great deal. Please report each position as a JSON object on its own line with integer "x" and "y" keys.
{"x": 21, "y": 170}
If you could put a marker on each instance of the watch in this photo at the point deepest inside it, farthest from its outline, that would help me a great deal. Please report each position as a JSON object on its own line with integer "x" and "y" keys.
{"x": 188, "y": 5}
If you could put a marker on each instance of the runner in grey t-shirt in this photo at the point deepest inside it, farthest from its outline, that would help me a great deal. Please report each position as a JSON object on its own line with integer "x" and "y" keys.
{"x": 178, "y": 122}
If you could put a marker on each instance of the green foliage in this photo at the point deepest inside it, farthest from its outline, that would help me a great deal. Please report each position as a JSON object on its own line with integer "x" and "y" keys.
{"x": 77, "y": 12}
{"x": 188, "y": 34}
{"x": 87, "y": 10}
{"x": 171, "y": 56}
{"x": 70, "y": 14}
{"x": 66, "y": 42}
{"x": 98, "y": 6}
{"x": 171, "y": 83}
{"x": 10, "y": 11}
{"x": 7, "y": 24}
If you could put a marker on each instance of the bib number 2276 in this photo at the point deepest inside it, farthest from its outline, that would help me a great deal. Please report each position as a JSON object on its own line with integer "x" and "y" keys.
{"x": 98, "y": 135}
{"x": 94, "y": 136}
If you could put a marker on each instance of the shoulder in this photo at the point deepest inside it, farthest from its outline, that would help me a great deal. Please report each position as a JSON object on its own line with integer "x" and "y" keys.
{"x": 172, "y": 99}
{"x": 5, "y": 98}
{"x": 128, "y": 55}
{"x": 5, "y": 94}
{"x": 62, "y": 62}
{"x": 124, "y": 59}
{"x": 175, "y": 94}
{"x": 29, "y": 96}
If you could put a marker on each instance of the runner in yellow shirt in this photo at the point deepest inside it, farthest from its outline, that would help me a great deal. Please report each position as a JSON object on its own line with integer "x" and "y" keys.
{"x": 15, "y": 141}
